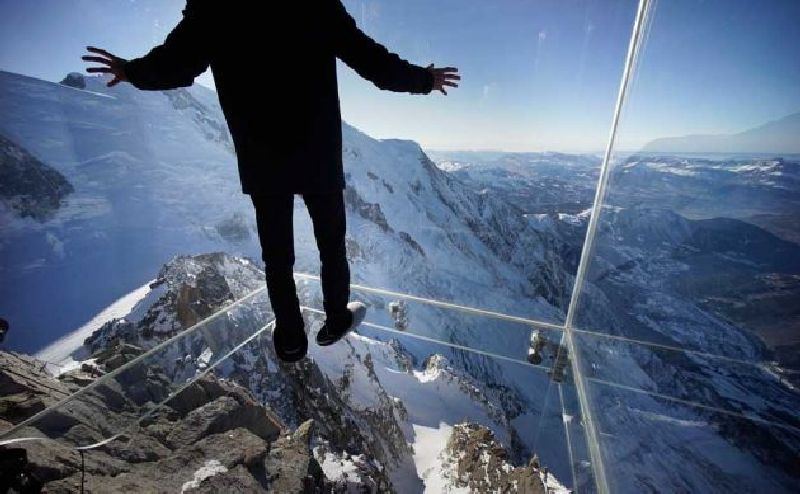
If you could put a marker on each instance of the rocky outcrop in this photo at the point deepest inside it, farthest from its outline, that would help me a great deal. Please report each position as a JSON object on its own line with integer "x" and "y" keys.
{"x": 480, "y": 463}
{"x": 290, "y": 463}
{"x": 26, "y": 387}
{"x": 194, "y": 287}
{"x": 211, "y": 437}
{"x": 28, "y": 187}
{"x": 74, "y": 79}
{"x": 367, "y": 210}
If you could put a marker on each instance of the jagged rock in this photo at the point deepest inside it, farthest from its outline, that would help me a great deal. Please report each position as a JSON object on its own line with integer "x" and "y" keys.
{"x": 251, "y": 414}
{"x": 212, "y": 420}
{"x": 4, "y": 425}
{"x": 142, "y": 384}
{"x": 237, "y": 479}
{"x": 198, "y": 301}
{"x": 367, "y": 210}
{"x": 315, "y": 396}
{"x": 136, "y": 447}
{"x": 74, "y": 79}
{"x": 290, "y": 464}
{"x": 221, "y": 415}
{"x": 77, "y": 378}
{"x": 203, "y": 391}
{"x": 237, "y": 446}
{"x": 480, "y": 463}
{"x": 26, "y": 387}
{"x": 51, "y": 461}
{"x": 117, "y": 354}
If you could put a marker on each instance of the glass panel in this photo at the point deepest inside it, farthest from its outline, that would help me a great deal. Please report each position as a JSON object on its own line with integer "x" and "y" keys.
{"x": 718, "y": 452}
{"x": 123, "y": 228}
{"x": 687, "y": 322}
{"x": 451, "y": 354}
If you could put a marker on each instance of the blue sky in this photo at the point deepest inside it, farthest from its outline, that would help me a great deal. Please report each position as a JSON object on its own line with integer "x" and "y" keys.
{"x": 538, "y": 74}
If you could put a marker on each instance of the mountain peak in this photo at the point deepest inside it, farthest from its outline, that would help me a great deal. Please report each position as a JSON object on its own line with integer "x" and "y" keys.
{"x": 74, "y": 79}
{"x": 776, "y": 136}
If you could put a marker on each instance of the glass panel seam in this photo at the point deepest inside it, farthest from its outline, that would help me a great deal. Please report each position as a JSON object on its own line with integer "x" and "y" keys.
{"x": 588, "y": 246}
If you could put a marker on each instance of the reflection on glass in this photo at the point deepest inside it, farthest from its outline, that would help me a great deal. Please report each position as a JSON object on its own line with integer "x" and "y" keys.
{"x": 687, "y": 320}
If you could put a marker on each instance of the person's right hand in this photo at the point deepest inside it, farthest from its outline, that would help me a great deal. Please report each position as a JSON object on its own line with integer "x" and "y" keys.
{"x": 113, "y": 65}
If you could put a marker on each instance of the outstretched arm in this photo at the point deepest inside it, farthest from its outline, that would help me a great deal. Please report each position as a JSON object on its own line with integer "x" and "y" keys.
{"x": 385, "y": 69}
{"x": 183, "y": 56}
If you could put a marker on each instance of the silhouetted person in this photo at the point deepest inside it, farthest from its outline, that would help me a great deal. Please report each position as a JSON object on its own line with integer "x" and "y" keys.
{"x": 274, "y": 66}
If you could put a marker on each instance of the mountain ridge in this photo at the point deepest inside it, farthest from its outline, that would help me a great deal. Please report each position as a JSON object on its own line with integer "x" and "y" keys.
{"x": 775, "y": 137}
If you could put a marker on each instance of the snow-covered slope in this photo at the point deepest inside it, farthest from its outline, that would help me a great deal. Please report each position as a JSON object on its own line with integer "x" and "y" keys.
{"x": 154, "y": 177}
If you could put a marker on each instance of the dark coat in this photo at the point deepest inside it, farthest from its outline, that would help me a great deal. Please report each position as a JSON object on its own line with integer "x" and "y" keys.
{"x": 274, "y": 68}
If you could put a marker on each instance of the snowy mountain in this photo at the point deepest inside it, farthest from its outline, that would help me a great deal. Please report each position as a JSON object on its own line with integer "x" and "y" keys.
{"x": 154, "y": 178}
{"x": 702, "y": 187}
{"x": 711, "y": 285}
{"x": 535, "y": 182}
{"x": 155, "y": 184}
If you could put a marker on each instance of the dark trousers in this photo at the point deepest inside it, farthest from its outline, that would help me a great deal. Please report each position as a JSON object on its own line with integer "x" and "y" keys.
{"x": 274, "y": 215}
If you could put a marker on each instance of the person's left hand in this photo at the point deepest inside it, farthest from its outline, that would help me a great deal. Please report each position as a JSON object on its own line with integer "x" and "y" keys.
{"x": 113, "y": 65}
{"x": 446, "y": 76}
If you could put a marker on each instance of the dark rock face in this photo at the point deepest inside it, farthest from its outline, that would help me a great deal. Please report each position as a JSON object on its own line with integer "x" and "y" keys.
{"x": 74, "y": 79}
{"x": 291, "y": 466}
{"x": 29, "y": 187}
{"x": 234, "y": 229}
{"x": 211, "y": 437}
{"x": 407, "y": 238}
{"x": 194, "y": 289}
{"x": 367, "y": 210}
{"x": 26, "y": 387}
{"x": 481, "y": 463}
{"x": 221, "y": 415}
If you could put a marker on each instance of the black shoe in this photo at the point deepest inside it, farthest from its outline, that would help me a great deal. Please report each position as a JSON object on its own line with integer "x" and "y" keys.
{"x": 290, "y": 342}
{"x": 331, "y": 333}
